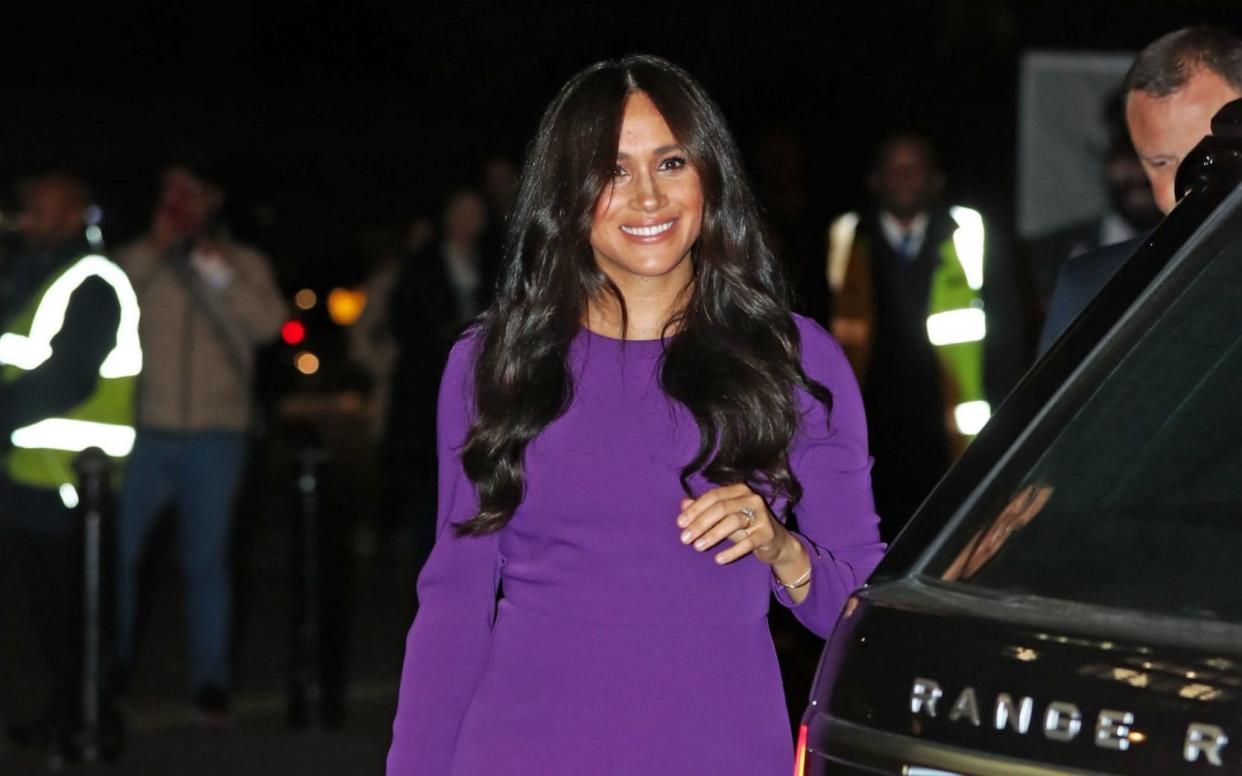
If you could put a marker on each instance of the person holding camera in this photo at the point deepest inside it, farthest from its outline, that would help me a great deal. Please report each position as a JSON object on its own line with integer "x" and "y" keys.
{"x": 207, "y": 302}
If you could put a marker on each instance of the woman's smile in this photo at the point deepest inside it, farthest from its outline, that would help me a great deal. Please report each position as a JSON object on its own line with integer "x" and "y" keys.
{"x": 648, "y": 218}
{"x": 648, "y": 233}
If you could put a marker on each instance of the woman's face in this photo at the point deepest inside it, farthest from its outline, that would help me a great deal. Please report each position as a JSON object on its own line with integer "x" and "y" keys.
{"x": 648, "y": 219}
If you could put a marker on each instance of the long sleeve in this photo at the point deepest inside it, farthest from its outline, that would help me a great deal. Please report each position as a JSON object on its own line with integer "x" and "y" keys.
{"x": 836, "y": 517}
{"x": 448, "y": 645}
{"x": 252, "y": 301}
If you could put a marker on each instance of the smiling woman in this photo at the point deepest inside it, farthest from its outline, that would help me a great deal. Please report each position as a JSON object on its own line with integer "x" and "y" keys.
{"x": 596, "y": 600}
{"x": 649, "y": 216}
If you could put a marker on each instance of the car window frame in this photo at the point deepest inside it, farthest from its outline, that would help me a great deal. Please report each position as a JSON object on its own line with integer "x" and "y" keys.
{"x": 1154, "y": 281}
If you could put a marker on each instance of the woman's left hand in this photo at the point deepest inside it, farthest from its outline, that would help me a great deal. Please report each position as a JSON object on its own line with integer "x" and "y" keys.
{"x": 736, "y": 513}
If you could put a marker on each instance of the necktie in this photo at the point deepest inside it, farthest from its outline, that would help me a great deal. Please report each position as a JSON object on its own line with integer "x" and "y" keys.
{"x": 906, "y": 247}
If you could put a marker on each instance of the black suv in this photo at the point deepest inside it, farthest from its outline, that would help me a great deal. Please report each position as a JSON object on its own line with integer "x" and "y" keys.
{"x": 1069, "y": 598}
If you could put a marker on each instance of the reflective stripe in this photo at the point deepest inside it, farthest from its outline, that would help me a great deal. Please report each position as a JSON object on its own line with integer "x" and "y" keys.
{"x": 69, "y": 496}
{"x": 840, "y": 245}
{"x": 972, "y": 416}
{"x": 951, "y": 327}
{"x": 22, "y": 351}
{"x": 75, "y": 436}
{"x": 28, "y": 352}
{"x": 968, "y": 241}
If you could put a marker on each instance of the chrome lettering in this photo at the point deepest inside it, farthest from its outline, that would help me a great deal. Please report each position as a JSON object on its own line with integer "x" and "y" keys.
{"x": 1016, "y": 716}
{"x": 1206, "y": 740}
{"x": 1062, "y": 721}
{"x": 923, "y": 695}
{"x": 1112, "y": 729}
{"x": 966, "y": 705}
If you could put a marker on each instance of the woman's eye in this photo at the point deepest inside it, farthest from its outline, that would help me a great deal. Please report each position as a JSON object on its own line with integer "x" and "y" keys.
{"x": 673, "y": 163}
{"x": 618, "y": 172}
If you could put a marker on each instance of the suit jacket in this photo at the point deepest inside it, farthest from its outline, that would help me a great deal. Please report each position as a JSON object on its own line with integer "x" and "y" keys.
{"x": 1049, "y": 252}
{"x": 424, "y": 320}
{"x": 899, "y": 289}
{"x": 1080, "y": 279}
{"x": 900, "y": 370}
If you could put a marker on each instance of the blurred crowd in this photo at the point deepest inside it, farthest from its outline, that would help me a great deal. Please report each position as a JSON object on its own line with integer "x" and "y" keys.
{"x": 146, "y": 350}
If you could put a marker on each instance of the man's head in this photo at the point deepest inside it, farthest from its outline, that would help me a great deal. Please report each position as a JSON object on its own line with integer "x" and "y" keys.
{"x": 465, "y": 217}
{"x": 1129, "y": 193}
{"x": 500, "y": 184}
{"x": 906, "y": 179}
{"x": 53, "y": 209}
{"x": 1173, "y": 89}
{"x": 419, "y": 232}
{"x": 189, "y": 199}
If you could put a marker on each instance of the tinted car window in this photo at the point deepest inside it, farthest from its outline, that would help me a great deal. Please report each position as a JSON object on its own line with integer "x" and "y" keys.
{"x": 1137, "y": 501}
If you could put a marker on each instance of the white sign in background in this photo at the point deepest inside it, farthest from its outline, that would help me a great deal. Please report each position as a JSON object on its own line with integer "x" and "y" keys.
{"x": 1062, "y": 135}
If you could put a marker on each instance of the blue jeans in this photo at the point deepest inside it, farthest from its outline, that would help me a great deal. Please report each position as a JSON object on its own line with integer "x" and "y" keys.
{"x": 200, "y": 471}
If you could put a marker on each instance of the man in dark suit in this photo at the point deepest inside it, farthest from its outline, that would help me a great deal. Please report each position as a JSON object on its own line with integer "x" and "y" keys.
{"x": 1172, "y": 90}
{"x": 438, "y": 291}
{"x": 1130, "y": 211}
{"x": 1080, "y": 279}
{"x": 925, "y": 307}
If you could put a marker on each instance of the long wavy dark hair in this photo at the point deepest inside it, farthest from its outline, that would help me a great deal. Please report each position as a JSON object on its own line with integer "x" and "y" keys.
{"x": 734, "y": 360}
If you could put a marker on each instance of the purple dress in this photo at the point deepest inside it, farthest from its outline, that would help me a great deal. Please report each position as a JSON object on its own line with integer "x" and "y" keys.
{"x": 614, "y": 648}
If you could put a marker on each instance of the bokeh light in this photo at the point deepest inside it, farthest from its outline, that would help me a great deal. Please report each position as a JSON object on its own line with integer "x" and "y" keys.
{"x": 293, "y": 332}
{"x": 345, "y": 305}
{"x": 305, "y": 299}
{"x": 306, "y": 362}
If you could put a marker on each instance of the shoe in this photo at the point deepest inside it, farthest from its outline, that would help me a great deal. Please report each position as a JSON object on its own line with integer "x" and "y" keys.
{"x": 212, "y": 702}
{"x": 26, "y": 735}
{"x": 59, "y": 746}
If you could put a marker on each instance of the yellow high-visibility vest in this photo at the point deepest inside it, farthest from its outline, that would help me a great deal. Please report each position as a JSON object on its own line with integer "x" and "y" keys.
{"x": 43, "y": 451}
{"x": 956, "y": 323}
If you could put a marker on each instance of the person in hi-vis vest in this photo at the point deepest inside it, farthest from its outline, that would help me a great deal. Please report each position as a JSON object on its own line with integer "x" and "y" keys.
{"x": 924, "y": 304}
{"x": 69, "y": 361}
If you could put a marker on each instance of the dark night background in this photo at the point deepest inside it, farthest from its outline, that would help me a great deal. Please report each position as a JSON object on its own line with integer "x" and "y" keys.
{"x": 331, "y": 119}
{"x": 330, "y": 122}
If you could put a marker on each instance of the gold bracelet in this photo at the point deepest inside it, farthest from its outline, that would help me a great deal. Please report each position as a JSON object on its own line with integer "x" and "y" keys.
{"x": 801, "y": 581}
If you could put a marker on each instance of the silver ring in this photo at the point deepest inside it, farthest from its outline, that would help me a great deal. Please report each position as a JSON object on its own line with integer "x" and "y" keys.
{"x": 750, "y": 517}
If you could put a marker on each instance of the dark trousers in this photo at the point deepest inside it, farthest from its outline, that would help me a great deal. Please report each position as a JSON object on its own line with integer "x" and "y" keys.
{"x": 200, "y": 471}
{"x": 408, "y": 486}
{"x": 41, "y": 541}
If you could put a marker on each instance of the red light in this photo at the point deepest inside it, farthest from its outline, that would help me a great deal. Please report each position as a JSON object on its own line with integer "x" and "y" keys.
{"x": 293, "y": 332}
{"x": 800, "y": 762}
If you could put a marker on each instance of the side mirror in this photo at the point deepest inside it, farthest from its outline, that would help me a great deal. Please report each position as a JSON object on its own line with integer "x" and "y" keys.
{"x": 1222, "y": 148}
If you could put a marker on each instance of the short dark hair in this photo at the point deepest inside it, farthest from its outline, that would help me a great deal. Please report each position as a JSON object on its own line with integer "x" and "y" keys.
{"x": 204, "y": 165}
{"x": 1168, "y": 62}
{"x": 906, "y": 137}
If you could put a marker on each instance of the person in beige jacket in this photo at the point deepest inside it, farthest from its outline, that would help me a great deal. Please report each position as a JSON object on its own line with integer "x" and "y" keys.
{"x": 207, "y": 301}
